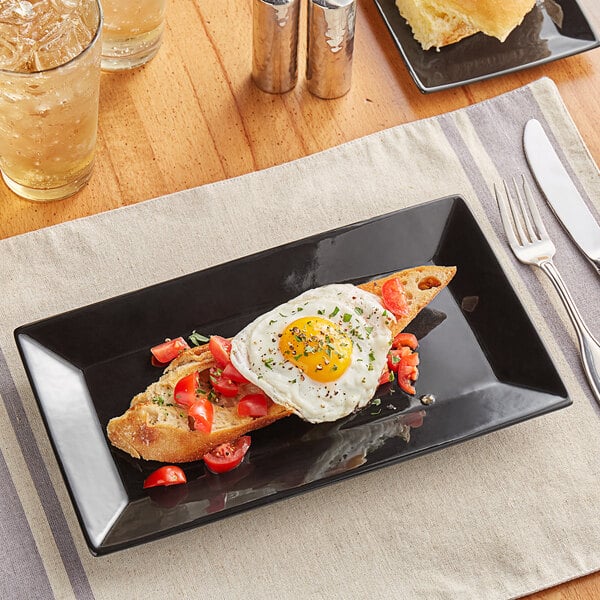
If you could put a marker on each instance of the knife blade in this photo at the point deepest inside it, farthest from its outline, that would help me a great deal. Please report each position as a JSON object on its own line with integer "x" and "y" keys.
{"x": 561, "y": 193}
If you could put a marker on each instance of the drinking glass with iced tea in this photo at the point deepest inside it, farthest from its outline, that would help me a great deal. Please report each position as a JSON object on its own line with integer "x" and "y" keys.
{"x": 49, "y": 89}
{"x": 132, "y": 32}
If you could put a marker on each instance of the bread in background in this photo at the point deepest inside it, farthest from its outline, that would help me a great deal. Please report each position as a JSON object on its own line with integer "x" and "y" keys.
{"x": 437, "y": 23}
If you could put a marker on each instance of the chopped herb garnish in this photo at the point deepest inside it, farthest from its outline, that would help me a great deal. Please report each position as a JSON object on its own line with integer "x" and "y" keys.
{"x": 197, "y": 338}
{"x": 358, "y": 310}
{"x": 268, "y": 363}
{"x": 346, "y": 317}
{"x": 335, "y": 311}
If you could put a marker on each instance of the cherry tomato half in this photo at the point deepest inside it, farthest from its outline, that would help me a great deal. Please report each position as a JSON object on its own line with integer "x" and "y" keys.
{"x": 403, "y": 362}
{"x": 411, "y": 360}
{"x": 386, "y": 376}
{"x": 409, "y": 372}
{"x": 202, "y": 412}
{"x": 405, "y": 339}
{"x": 186, "y": 389}
{"x": 394, "y": 298}
{"x": 224, "y": 386}
{"x": 231, "y": 373}
{"x": 253, "y": 405}
{"x": 220, "y": 348}
{"x": 165, "y": 475}
{"x": 406, "y": 386}
{"x": 227, "y": 456}
{"x": 167, "y": 351}
{"x": 393, "y": 359}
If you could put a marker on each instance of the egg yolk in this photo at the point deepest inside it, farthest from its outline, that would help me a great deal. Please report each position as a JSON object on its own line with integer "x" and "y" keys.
{"x": 317, "y": 347}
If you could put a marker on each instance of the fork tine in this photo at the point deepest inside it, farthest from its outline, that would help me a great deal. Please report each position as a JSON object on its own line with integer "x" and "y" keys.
{"x": 535, "y": 213}
{"x": 533, "y": 249}
{"x": 531, "y": 232}
{"x": 516, "y": 210}
{"x": 505, "y": 216}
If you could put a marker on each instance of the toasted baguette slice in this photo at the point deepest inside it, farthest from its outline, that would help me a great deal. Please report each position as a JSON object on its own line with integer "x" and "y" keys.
{"x": 421, "y": 286}
{"x": 155, "y": 428}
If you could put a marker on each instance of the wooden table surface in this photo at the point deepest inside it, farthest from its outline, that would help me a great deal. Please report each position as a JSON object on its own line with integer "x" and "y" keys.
{"x": 192, "y": 116}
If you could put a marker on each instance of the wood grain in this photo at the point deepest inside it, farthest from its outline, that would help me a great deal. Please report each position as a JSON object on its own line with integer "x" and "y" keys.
{"x": 192, "y": 116}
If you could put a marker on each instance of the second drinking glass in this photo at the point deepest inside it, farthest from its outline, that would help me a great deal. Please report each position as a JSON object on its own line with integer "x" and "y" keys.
{"x": 132, "y": 32}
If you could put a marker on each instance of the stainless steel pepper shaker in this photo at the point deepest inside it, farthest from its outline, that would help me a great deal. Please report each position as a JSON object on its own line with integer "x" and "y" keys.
{"x": 275, "y": 44}
{"x": 330, "y": 47}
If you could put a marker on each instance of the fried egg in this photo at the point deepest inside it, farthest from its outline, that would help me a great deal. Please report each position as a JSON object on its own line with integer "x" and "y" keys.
{"x": 321, "y": 354}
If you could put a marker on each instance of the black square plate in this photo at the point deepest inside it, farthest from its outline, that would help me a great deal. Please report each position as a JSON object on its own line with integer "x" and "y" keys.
{"x": 85, "y": 366}
{"x": 553, "y": 29}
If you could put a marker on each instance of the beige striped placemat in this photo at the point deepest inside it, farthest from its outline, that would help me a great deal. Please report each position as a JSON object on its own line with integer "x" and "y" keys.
{"x": 496, "y": 517}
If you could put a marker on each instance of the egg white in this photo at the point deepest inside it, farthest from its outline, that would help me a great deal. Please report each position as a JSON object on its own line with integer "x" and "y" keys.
{"x": 255, "y": 352}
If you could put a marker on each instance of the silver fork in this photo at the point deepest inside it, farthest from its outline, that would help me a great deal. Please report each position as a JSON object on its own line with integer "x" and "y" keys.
{"x": 531, "y": 244}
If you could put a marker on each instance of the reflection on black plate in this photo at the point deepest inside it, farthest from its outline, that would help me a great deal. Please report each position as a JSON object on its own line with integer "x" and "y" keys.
{"x": 553, "y": 29}
{"x": 86, "y": 365}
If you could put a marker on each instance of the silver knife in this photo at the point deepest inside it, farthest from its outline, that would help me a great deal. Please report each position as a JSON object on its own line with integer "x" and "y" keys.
{"x": 561, "y": 193}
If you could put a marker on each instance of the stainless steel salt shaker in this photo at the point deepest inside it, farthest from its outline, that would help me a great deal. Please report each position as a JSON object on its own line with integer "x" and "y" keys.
{"x": 275, "y": 44}
{"x": 330, "y": 47}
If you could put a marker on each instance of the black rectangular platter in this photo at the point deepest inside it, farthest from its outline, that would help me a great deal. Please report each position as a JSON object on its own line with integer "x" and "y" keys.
{"x": 86, "y": 365}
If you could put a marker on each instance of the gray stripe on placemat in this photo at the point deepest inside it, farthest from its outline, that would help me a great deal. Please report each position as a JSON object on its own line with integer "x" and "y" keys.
{"x": 22, "y": 574}
{"x": 510, "y": 160}
{"x": 48, "y": 498}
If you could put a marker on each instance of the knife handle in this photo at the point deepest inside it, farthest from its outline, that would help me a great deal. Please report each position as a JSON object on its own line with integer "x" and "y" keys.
{"x": 588, "y": 346}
